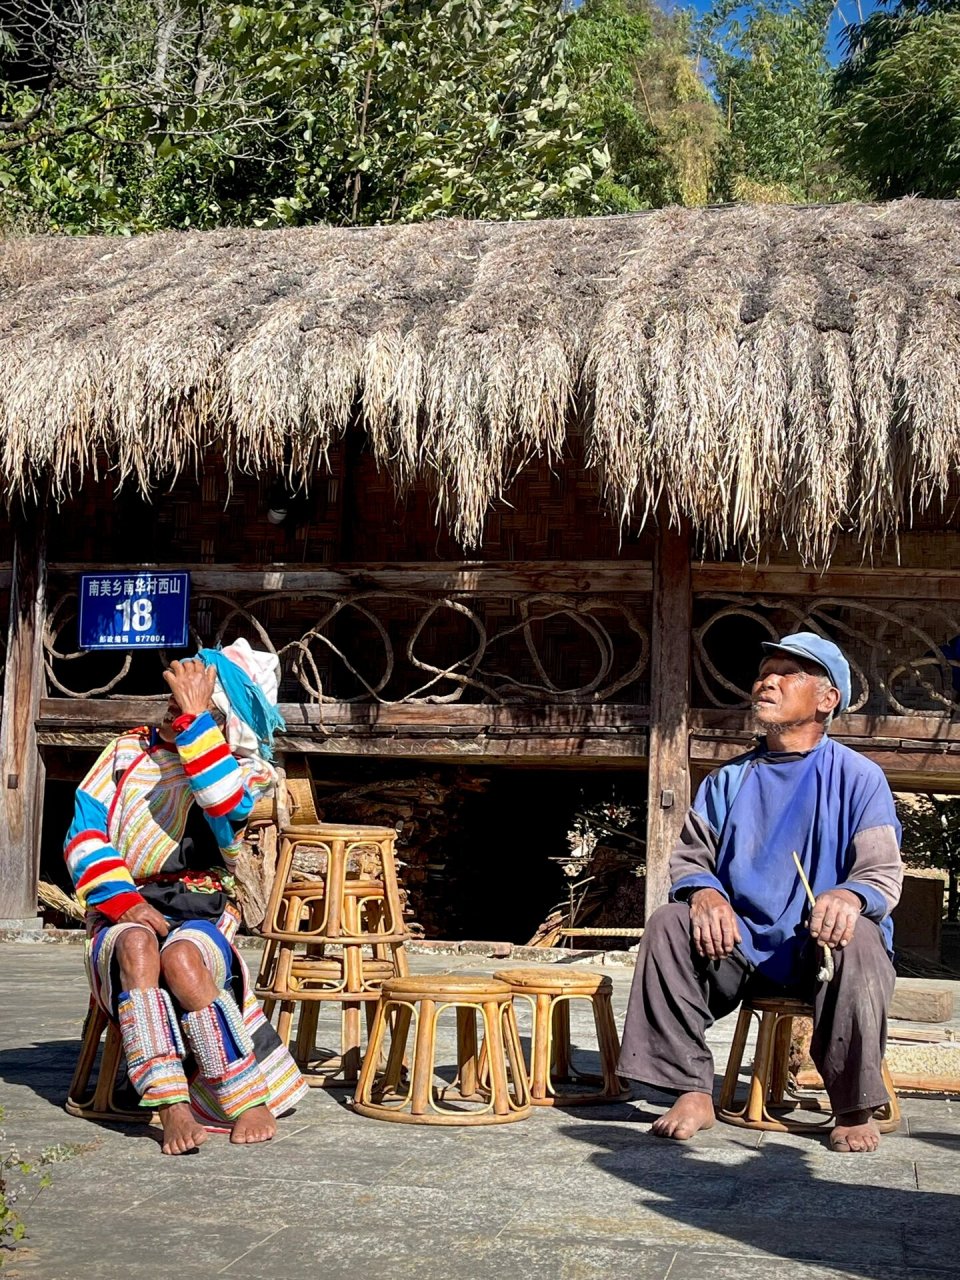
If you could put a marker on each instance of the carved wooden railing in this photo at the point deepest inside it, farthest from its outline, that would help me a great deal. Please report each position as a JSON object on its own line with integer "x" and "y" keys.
{"x": 904, "y": 655}
{"x": 478, "y": 634}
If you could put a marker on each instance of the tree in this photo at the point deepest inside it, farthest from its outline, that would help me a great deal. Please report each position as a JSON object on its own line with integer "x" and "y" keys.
{"x": 897, "y": 99}
{"x": 412, "y": 109}
{"x": 642, "y": 99}
{"x": 773, "y": 82}
{"x": 135, "y": 114}
{"x": 931, "y": 835}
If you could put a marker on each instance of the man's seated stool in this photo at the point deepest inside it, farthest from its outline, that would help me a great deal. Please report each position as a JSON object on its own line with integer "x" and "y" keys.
{"x": 550, "y": 989}
{"x": 505, "y": 1098}
{"x": 765, "y": 1106}
{"x": 101, "y": 1102}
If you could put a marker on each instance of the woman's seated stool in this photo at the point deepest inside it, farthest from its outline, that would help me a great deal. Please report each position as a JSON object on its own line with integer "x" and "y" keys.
{"x": 550, "y": 990}
{"x": 103, "y": 1101}
{"x": 765, "y": 1106}
{"x": 384, "y": 1096}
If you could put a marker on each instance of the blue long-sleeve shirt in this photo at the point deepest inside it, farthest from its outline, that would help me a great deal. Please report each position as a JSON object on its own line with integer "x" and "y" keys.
{"x": 830, "y": 805}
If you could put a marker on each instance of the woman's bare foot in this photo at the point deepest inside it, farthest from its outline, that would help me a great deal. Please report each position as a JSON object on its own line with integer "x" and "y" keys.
{"x": 689, "y": 1114}
{"x": 181, "y": 1132}
{"x": 855, "y": 1131}
{"x": 255, "y": 1125}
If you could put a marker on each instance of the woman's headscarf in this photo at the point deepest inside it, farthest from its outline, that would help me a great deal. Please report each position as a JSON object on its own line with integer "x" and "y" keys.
{"x": 248, "y": 683}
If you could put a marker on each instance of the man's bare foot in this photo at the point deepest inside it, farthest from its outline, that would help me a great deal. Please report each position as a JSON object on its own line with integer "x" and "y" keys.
{"x": 689, "y": 1114}
{"x": 181, "y": 1132}
{"x": 255, "y": 1125}
{"x": 855, "y": 1131}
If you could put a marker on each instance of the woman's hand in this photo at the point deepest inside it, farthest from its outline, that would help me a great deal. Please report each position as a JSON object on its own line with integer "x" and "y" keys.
{"x": 191, "y": 684}
{"x": 143, "y": 913}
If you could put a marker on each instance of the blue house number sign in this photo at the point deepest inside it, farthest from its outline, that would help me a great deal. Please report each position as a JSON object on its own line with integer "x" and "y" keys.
{"x": 134, "y": 611}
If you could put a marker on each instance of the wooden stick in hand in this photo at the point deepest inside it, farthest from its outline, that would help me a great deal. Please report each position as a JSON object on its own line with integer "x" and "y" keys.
{"x": 825, "y": 972}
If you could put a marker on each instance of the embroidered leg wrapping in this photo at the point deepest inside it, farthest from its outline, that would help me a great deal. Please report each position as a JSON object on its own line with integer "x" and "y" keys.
{"x": 153, "y": 1046}
{"x": 223, "y": 1050}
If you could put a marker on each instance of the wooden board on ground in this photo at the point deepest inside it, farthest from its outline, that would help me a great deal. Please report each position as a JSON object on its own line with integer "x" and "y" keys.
{"x": 920, "y": 1000}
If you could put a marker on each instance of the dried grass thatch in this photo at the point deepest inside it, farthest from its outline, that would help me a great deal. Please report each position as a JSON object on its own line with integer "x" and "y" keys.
{"x": 769, "y": 372}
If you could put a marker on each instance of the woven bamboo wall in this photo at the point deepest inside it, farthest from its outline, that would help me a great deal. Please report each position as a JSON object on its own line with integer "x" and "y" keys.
{"x": 351, "y": 513}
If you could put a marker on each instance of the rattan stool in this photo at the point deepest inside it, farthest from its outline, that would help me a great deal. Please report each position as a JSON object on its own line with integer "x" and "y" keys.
{"x": 550, "y": 989}
{"x": 100, "y": 1102}
{"x": 334, "y": 929}
{"x": 506, "y": 1098}
{"x": 765, "y": 1106}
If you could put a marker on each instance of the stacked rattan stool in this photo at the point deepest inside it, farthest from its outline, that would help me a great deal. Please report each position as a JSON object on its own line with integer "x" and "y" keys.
{"x": 554, "y": 1080}
{"x": 766, "y": 1105}
{"x": 335, "y": 931}
{"x": 502, "y": 1097}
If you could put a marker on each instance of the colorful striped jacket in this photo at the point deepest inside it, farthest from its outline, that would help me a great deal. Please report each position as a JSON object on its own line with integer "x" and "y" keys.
{"x": 131, "y": 808}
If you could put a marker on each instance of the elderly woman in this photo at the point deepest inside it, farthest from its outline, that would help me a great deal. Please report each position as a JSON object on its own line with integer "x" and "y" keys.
{"x": 157, "y": 828}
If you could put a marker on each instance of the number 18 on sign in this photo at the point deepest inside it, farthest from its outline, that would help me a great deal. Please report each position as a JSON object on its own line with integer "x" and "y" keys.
{"x": 134, "y": 611}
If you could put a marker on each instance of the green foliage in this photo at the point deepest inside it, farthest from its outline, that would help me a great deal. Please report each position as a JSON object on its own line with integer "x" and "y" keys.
{"x": 897, "y": 94}
{"x": 644, "y": 103}
{"x": 352, "y": 111}
{"x": 773, "y": 82}
{"x": 931, "y": 830}
{"x": 12, "y": 1166}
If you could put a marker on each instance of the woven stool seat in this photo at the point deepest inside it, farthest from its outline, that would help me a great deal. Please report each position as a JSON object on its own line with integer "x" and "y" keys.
{"x": 502, "y": 1096}
{"x": 550, "y": 990}
{"x": 333, "y": 830}
{"x": 442, "y": 986}
{"x": 330, "y": 972}
{"x": 550, "y": 978}
{"x": 767, "y": 1104}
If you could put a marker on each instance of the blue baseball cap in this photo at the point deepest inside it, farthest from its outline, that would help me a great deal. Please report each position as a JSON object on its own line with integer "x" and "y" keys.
{"x": 814, "y": 648}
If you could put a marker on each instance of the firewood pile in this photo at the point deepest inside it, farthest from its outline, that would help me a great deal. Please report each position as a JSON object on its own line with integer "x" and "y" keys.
{"x": 605, "y": 871}
{"x": 425, "y": 807}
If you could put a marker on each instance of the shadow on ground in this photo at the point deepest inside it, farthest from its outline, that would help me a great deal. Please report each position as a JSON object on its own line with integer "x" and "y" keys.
{"x": 790, "y": 1198}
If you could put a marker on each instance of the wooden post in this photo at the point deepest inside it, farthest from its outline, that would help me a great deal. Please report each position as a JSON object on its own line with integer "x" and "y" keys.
{"x": 21, "y": 768}
{"x": 668, "y": 794}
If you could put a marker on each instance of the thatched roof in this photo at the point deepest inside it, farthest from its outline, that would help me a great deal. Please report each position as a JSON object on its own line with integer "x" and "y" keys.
{"x": 766, "y": 371}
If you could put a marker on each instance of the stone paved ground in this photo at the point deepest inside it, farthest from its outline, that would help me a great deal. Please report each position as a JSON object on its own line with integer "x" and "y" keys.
{"x": 561, "y": 1195}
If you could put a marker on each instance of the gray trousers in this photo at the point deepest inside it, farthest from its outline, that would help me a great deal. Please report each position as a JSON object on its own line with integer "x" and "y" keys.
{"x": 677, "y": 995}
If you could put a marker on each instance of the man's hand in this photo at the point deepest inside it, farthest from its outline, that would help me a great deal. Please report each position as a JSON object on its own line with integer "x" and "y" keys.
{"x": 143, "y": 913}
{"x": 835, "y": 916}
{"x": 713, "y": 925}
{"x": 191, "y": 684}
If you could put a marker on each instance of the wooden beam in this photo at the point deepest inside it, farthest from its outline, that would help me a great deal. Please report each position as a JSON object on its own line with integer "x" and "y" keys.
{"x": 926, "y": 728}
{"x": 852, "y": 584}
{"x": 568, "y": 734}
{"x": 21, "y": 768}
{"x": 606, "y": 717}
{"x": 479, "y": 577}
{"x": 668, "y": 785}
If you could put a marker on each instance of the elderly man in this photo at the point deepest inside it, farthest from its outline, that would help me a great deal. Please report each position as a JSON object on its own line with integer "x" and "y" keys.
{"x": 158, "y": 824}
{"x": 738, "y": 920}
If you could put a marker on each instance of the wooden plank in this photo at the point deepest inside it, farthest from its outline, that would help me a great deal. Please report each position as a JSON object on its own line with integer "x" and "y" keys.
{"x": 856, "y": 584}
{"x": 631, "y": 752}
{"x": 471, "y": 577}
{"x": 923, "y": 727}
{"x": 906, "y": 769}
{"x": 668, "y": 782}
{"x": 21, "y": 767}
{"x": 571, "y": 734}
{"x": 574, "y": 720}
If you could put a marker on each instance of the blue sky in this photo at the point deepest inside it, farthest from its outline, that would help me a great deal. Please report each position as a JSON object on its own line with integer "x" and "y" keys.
{"x": 846, "y": 9}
